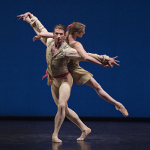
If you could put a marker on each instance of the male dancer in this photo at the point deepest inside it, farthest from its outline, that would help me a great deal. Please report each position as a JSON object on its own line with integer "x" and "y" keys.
{"x": 57, "y": 55}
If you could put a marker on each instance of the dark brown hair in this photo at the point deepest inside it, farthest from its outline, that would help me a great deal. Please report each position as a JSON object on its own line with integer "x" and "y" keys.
{"x": 60, "y": 26}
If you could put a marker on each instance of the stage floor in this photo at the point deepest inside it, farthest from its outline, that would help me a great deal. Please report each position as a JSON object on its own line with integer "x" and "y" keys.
{"x": 36, "y": 135}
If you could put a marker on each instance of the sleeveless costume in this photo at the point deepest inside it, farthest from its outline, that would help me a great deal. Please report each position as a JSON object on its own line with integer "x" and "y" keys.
{"x": 80, "y": 76}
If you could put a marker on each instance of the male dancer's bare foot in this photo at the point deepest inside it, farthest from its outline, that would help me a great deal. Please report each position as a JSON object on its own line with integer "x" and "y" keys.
{"x": 55, "y": 139}
{"x": 84, "y": 134}
{"x": 122, "y": 109}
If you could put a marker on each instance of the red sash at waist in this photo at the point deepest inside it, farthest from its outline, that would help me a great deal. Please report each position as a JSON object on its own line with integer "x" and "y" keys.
{"x": 50, "y": 77}
{"x": 61, "y": 75}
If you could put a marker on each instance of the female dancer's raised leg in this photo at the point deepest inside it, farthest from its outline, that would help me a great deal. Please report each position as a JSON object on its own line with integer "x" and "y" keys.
{"x": 93, "y": 83}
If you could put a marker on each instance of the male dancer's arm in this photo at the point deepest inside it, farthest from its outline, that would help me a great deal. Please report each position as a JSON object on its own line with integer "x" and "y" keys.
{"x": 36, "y": 24}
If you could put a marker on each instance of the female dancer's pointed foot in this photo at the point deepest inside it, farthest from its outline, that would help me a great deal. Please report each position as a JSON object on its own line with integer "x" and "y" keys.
{"x": 55, "y": 139}
{"x": 122, "y": 109}
{"x": 84, "y": 134}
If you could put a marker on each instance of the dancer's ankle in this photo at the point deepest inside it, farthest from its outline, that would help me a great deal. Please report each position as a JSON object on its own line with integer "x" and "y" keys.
{"x": 85, "y": 132}
{"x": 55, "y": 139}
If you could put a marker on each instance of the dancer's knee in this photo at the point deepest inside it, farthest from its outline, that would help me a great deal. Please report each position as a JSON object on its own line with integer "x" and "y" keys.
{"x": 61, "y": 107}
{"x": 97, "y": 87}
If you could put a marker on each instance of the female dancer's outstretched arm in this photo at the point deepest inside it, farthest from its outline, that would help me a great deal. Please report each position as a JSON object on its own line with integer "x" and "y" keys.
{"x": 102, "y": 60}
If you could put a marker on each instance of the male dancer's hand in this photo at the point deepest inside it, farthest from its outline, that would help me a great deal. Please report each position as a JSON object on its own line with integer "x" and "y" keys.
{"x": 24, "y": 16}
{"x": 113, "y": 61}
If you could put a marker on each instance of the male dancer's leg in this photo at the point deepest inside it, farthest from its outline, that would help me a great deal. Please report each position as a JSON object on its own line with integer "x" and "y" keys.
{"x": 71, "y": 115}
{"x": 93, "y": 83}
{"x": 63, "y": 92}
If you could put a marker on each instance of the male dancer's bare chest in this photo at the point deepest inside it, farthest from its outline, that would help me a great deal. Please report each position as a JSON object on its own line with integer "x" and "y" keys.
{"x": 53, "y": 50}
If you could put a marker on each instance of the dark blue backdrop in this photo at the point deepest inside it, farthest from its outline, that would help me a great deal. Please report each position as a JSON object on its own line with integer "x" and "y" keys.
{"x": 116, "y": 28}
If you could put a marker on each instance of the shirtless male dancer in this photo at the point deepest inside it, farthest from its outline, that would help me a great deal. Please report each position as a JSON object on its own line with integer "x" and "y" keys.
{"x": 57, "y": 56}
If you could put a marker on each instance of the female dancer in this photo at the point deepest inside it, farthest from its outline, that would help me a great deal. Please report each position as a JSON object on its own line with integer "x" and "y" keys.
{"x": 77, "y": 29}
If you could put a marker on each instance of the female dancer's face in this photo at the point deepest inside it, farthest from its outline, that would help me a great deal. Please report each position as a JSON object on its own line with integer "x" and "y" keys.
{"x": 81, "y": 34}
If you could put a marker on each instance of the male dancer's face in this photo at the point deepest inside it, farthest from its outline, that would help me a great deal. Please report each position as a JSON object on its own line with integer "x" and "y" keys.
{"x": 59, "y": 36}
